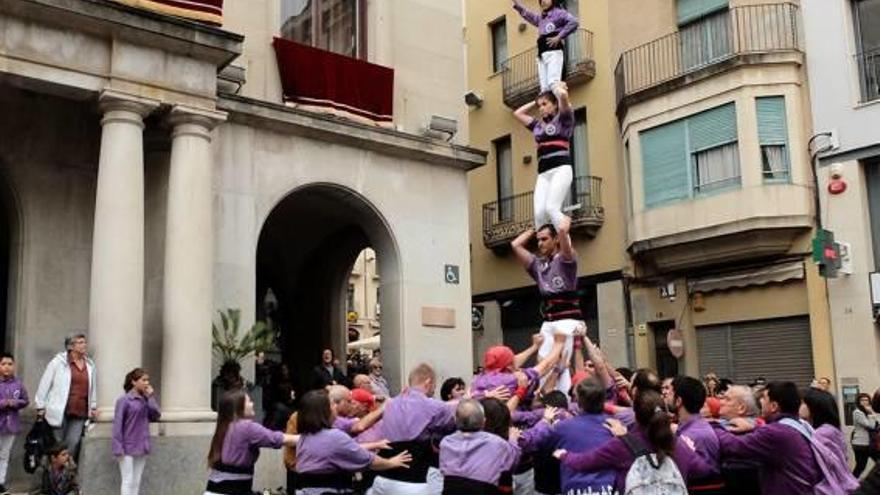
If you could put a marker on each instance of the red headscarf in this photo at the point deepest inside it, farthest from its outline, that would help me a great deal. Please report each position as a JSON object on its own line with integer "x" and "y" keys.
{"x": 364, "y": 397}
{"x": 498, "y": 358}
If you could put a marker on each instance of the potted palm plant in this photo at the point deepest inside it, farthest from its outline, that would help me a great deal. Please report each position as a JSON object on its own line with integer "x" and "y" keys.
{"x": 232, "y": 346}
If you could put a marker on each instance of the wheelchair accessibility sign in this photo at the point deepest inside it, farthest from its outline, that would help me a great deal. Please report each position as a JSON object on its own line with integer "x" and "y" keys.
{"x": 450, "y": 273}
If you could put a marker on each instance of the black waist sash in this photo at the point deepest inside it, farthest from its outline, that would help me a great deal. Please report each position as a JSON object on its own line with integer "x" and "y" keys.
{"x": 455, "y": 485}
{"x": 543, "y": 46}
{"x": 561, "y": 306}
{"x": 232, "y": 487}
{"x": 331, "y": 481}
{"x": 422, "y": 458}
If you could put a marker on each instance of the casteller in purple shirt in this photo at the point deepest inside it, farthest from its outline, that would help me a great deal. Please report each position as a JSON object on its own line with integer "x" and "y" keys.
{"x": 615, "y": 454}
{"x": 241, "y": 447}
{"x": 787, "y": 465}
{"x": 551, "y": 22}
{"x": 131, "y": 424}
{"x": 13, "y": 397}
{"x": 479, "y": 456}
{"x": 412, "y": 415}
{"x": 706, "y": 442}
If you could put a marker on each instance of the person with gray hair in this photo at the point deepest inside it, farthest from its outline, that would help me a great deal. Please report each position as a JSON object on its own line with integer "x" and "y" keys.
{"x": 67, "y": 396}
{"x": 471, "y": 459}
{"x": 378, "y": 382}
{"x": 739, "y": 412}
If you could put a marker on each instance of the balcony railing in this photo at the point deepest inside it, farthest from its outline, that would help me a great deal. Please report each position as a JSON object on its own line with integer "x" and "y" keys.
{"x": 727, "y": 35}
{"x": 869, "y": 74}
{"x": 520, "y": 72}
{"x": 506, "y": 218}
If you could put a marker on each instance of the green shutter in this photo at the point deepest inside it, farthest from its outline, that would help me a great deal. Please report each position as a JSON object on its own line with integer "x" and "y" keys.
{"x": 689, "y": 10}
{"x": 664, "y": 164}
{"x": 712, "y": 128}
{"x": 771, "y": 120}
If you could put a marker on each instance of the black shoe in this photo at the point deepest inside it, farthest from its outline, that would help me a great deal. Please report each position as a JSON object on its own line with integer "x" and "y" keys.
{"x": 3, "y": 490}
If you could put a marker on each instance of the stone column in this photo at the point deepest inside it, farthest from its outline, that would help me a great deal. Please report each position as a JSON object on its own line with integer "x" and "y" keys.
{"x": 116, "y": 302}
{"x": 188, "y": 303}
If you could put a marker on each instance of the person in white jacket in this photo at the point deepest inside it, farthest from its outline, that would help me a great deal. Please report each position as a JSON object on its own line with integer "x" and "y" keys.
{"x": 66, "y": 397}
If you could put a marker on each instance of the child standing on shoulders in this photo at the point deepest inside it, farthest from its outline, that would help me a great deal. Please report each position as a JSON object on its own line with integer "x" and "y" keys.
{"x": 57, "y": 475}
{"x": 13, "y": 397}
{"x": 554, "y": 25}
{"x": 131, "y": 428}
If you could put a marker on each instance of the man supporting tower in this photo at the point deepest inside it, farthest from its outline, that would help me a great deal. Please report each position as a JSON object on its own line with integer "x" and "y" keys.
{"x": 554, "y": 269}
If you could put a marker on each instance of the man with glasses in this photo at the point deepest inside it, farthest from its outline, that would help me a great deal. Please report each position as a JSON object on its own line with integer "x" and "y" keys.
{"x": 379, "y": 383}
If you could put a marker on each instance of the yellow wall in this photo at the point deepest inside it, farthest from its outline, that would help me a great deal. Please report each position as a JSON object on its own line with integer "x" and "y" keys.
{"x": 491, "y": 272}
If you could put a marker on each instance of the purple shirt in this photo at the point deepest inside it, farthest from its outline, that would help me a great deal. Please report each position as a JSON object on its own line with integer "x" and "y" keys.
{"x": 787, "y": 463}
{"x": 414, "y": 416}
{"x": 832, "y": 439}
{"x": 479, "y": 456}
{"x": 371, "y": 434}
{"x": 241, "y": 447}
{"x": 490, "y": 380}
{"x": 554, "y": 276}
{"x": 344, "y": 424}
{"x": 13, "y": 397}
{"x": 553, "y": 22}
{"x": 330, "y": 451}
{"x": 131, "y": 424}
{"x": 706, "y": 442}
{"x": 614, "y": 454}
{"x": 581, "y": 433}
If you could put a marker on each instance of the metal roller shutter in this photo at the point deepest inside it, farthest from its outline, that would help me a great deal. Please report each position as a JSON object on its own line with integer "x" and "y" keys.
{"x": 779, "y": 349}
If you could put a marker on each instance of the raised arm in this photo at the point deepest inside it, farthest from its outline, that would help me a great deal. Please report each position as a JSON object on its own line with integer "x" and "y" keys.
{"x": 523, "y": 114}
{"x": 565, "y": 247}
{"x": 520, "y": 359}
{"x": 532, "y": 18}
{"x": 547, "y": 364}
{"x": 519, "y": 248}
{"x": 598, "y": 358}
{"x": 367, "y": 421}
{"x": 562, "y": 97}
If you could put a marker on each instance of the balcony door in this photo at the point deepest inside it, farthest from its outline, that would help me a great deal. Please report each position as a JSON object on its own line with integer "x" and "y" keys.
{"x": 337, "y": 26}
{"x": 706, "y": 40}
{"x": 504, "y": 174}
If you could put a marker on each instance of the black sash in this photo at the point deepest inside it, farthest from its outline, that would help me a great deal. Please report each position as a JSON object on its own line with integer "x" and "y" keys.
{"x": 332, "y": 481}
{"x": 454, "y": 485}
{"x": 422, "y": 459}
{"x": 562, "y": 306}
{"x": 232, "y": 487}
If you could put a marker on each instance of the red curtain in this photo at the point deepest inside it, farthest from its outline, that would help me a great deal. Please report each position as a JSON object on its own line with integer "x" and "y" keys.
{"x": 317, "y": 77}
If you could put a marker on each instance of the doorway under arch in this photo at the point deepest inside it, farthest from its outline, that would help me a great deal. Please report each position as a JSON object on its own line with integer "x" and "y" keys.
{"x": 307, "y": 247}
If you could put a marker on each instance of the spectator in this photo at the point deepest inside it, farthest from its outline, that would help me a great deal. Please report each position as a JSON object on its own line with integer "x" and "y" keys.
{"x": 57, "y": 474}
{"x": 282, "y": 398}
{"x": 67, "y": 395}
{"x": 864, "y": 423}
{"x": 327, "y": 373}
{"x": 380, "y": 384}
{"x": 819, "y": 409}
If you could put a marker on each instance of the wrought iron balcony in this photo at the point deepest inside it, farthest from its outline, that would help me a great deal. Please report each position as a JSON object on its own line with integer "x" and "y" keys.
{"x": 506, "y": 218}
{"x": 869, "y": 74}
{"x": 714, "y": 43}
{"x": 520, "y": 72}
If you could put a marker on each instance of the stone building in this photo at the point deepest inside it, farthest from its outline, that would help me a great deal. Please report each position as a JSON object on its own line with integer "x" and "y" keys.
{"x": 152, "y": 174}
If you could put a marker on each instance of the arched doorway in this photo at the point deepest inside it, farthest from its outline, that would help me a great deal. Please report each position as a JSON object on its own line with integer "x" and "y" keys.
{"x": 307, "y": 247}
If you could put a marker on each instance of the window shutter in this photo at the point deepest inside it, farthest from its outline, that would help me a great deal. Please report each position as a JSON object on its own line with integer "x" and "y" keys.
{"x": 772, "y": 128}
{"x": 712, "y": 128}
{"x": 689, "y": 10}
{"x": 664, "y": 163}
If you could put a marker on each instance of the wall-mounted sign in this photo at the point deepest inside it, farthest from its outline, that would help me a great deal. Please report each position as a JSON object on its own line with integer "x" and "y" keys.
{"x": 450, "y": 274}
{"x": 477, "y": 312}
{"x": 675, "y": 342}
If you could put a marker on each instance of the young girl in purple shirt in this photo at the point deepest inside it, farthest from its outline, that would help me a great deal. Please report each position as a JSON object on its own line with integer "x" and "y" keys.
{"x": 554, "y": 25}
{"x": 131, "y": 429}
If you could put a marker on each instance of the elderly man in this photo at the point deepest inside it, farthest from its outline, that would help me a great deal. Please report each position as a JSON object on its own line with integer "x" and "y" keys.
{"x": 410, "y": 421}
{"x": 739, "y": 410}
{"x": 380, "y": 384}
{"x": 471, "y": 459}
{"x": 67, "y": 396}
{"x": 346, "y": 419}
{"x": 362, "y": 382}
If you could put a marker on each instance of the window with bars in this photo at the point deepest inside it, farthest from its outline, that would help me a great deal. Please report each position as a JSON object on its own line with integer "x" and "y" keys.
{"x": 338, "y": 26}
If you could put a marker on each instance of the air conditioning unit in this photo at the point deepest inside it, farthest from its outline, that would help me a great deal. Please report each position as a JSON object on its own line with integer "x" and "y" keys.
{"x": 875, "y": 294}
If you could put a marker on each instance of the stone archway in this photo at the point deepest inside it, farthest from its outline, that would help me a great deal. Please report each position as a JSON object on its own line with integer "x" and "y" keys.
{"x": 307, "y": 246}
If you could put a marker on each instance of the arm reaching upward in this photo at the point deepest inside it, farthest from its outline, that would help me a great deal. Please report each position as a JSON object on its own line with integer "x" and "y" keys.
{"x": 523, "y": 114}
{"x": 551, "y": 359}
{"x": 532, "y": 18}
{"x": 520, "y": 359}
{"x": 565, "y": 247}
{"x": 519, "y": 248}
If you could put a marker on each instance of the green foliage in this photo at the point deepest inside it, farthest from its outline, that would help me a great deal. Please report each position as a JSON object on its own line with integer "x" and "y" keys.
{"x": 230, "y": 346}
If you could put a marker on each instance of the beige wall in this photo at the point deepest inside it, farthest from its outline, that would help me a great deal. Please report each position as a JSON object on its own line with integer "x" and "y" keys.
{"x": 364, "y": 280}
{"x": 401, "y": 34}
{"x": 492, "y": 272}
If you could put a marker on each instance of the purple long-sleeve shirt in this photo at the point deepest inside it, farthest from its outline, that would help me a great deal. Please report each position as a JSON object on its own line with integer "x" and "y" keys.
{"x": 553, "y": 22}
{"x": 785, "y": 456}
{"x": 13, "y": 398}
{"x": 490, "y": 380}
{"x": 706, "y": 442}
{"x": 583, "y": 433}
{"x": 330, "y": 451}
{"x": 241, "y": 447}
{"x": 614, "y": 454}
{"x": 479, "y": 456}
{"x": 131, "y": 424}
{"x": 414, "y": 416}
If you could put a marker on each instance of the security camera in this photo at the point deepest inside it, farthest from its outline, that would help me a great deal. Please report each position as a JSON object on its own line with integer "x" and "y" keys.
{"x": 472, "y": 99}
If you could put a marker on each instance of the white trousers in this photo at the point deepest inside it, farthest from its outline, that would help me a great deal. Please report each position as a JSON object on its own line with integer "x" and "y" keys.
{"x": 131, "y": 469}
{"x": 5, "y": 448}
{"x": 563, "y": 384}
{"x": 432, "y": 486}
{"x": 524, "y": 483}
{"x": 551, "y": 189}
{"x": 550, "y": 68}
